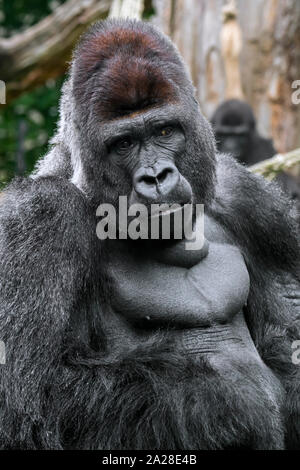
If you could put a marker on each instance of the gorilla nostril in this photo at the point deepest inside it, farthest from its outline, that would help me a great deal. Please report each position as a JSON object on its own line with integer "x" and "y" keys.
{"x": 148, "y": 180}
{"x": 164, "y": 174}
{"x": 156, "y": 181}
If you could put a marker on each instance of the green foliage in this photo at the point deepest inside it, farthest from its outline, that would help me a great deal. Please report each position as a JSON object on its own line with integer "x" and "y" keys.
{"x": 17, "y": 15}
{"x": 39, "y": 111}
{"x": 149, "y": 10}
{"x": 35, "y": 112}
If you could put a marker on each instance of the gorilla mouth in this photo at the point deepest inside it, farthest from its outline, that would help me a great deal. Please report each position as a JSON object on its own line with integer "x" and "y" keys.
{"x": 165, "y": 210}
{"x": 170, "y": 221}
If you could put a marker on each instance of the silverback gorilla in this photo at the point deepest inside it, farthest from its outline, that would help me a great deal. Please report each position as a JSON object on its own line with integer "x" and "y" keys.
{"x": 123, "y": 344}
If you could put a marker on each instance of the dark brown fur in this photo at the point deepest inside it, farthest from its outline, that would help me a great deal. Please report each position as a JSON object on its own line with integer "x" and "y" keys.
{"x": 130, "y": 67}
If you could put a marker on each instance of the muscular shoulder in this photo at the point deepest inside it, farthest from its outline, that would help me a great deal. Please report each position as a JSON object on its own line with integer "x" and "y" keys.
{"x": 41, "y": 214}
{"x": 256, "y": 212}
{"x": 239, "y": 186}
{"x": 43, "y": 200}
{"x": 28, "y": 192}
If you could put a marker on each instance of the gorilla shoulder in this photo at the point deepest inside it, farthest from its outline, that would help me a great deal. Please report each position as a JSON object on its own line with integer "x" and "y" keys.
{"x": 238, "y": 185}
{"x": 253, "y": 208}
{"x": 41, "y": 199}
{"x": 40, "y": 214}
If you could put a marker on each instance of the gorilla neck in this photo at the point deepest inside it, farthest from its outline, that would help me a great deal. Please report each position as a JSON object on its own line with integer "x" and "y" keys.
{"x": 167, "y": 252}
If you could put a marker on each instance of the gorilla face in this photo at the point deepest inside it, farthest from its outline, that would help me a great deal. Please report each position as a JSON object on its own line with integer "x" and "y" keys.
{"x": 138, "y": 120}
{"x": 234, "y": 127}
{"x": 148, "y": 149}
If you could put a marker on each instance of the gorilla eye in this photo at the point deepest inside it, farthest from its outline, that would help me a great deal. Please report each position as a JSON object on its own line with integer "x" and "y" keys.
{"x": 123, "y": 144}
{"x": 166, "y": 131}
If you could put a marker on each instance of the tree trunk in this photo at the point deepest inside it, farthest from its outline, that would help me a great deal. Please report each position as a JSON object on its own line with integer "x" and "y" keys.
{"x": 269, "y": 60}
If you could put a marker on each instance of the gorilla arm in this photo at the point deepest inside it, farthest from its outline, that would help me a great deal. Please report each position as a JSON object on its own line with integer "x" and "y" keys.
{"x": 257, "y": 216}
{"x": 45, "y": 254}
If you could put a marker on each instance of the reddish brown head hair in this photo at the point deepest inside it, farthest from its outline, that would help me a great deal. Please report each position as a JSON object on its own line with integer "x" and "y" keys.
{"x": 126, "y": 67}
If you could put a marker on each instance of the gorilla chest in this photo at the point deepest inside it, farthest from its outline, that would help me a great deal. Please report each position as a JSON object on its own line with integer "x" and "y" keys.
{"x": 169, "y": 288}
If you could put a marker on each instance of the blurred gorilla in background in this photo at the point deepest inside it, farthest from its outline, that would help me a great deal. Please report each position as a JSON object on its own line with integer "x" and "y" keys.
{"x": 234, "y": 125}
{"x": 235, "y": 130}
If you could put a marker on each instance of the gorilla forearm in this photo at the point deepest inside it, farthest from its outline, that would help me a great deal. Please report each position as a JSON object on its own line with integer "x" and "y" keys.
{"x": 257, "y": 211}
{"x": 274, "y": 333}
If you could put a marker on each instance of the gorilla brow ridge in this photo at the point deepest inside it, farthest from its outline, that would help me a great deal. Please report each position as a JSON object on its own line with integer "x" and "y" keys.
{"x": 131, "y": 68}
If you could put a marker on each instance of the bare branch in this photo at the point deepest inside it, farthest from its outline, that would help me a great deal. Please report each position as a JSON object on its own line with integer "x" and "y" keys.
{"x": 43, "y": 50}
{"x": 280, "y": 162}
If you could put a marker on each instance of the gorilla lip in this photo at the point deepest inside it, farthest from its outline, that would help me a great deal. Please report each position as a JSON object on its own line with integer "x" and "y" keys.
{"x": 161, "y": 212}
{"x": 166, "y": 222}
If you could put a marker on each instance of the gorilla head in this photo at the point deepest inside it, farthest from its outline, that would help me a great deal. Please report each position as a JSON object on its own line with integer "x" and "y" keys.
{"x": 235, "y": 130}
{"x": 234, "y": 125}
{"x": 138, "y": 119}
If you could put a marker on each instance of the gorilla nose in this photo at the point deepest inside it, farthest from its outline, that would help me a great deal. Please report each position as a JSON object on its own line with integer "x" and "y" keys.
{"x": 154, "y": 182}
